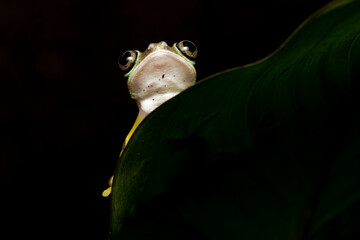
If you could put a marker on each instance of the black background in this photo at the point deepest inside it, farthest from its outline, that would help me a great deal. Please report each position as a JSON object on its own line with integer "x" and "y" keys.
{"x": 65, "y": 108}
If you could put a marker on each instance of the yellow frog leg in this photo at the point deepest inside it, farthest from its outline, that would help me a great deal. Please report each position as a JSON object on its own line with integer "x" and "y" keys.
{"x": 107, "y": 192}
{"x": 136, "y": 124}
{"x": 139, "y": 119}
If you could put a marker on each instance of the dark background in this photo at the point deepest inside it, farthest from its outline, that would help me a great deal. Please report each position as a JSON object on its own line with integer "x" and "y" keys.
{"x": 65, "y": 109}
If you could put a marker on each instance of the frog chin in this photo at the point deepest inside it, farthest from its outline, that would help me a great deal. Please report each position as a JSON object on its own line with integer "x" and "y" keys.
{"x": 148, "y": 105}
{"x": 159, "y": 77}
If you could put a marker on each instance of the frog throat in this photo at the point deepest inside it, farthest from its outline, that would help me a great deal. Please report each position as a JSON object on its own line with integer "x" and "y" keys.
{"x": 159, "y": 77}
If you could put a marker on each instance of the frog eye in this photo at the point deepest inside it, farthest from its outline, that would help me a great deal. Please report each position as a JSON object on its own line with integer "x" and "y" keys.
{"x": 127, "y": 60}
{"x": 188, "y": 49}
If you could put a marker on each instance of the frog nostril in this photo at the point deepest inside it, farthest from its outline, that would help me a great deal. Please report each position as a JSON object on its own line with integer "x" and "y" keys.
{"x": 163, "y": 44}
{"x": 151, "y": 46}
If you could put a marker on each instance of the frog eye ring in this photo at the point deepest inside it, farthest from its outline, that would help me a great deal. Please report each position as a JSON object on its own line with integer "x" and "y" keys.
{"x": 188, "y": 49}
{"x": 127, "y": 60}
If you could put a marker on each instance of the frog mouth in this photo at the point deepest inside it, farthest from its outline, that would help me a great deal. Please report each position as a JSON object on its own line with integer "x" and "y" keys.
{"x": 152, "y": 59}
{"x": 161, "y": 62}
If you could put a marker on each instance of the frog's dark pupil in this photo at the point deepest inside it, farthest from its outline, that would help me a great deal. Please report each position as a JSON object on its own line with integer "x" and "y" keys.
{"x": 125, "y": 58}
{"x": 189, "y": 46}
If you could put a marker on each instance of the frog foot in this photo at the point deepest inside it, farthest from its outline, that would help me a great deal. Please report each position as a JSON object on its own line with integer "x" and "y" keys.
{"x": 107, "y": 191}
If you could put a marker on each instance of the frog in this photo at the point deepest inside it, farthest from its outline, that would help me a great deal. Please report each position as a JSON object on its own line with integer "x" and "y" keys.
{"x": 155, "y": 76}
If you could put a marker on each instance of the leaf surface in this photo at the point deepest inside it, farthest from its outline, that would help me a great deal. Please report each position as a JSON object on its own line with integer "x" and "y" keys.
{"x": 270, "y": 150}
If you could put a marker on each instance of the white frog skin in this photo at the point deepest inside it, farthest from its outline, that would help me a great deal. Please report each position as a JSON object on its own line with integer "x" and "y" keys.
{"x": 155, "y": 76}
{"x": 158, "y": 74}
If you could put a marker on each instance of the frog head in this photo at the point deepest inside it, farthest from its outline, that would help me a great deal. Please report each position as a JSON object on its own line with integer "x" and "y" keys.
{"x": 159, "y": 73}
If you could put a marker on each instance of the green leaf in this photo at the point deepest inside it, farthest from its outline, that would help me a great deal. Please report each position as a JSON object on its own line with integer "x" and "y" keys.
{"x": 270, "y": 150}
